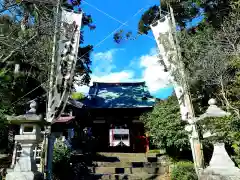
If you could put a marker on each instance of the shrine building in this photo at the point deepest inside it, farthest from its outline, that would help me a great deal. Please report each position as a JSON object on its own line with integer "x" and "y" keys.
{"x": 111, "y": 112}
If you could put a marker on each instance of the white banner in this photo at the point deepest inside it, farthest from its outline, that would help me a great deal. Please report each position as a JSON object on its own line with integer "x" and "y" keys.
{"x": 67, "y": 54}
{"x": 163, "y": 33}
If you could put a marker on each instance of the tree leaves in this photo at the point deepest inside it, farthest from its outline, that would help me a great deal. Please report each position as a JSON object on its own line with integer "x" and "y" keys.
{"x": 32, "y": 57}
{"x": 165, "y": 126}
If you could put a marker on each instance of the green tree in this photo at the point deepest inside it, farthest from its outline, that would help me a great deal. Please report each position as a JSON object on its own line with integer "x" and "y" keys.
{"x": 26, "y": 42}
{"x": 211, "y": 59}
{"x": 166, "y": 128}
{"x": 184, "y": 10}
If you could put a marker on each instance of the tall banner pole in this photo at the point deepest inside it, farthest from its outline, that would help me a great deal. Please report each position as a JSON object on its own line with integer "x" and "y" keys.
{"x": 164, "y": 31}
{"x": 51, "y": 96}
{"x": 65, "y": 54}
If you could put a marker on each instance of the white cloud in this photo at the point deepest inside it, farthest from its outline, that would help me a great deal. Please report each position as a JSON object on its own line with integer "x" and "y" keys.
{"x": 104, "y": 62}
{"x": 106, "y": 56}
{"x": 104, "y": 65}
{"x": 134, "y": 63}
{"x": 121, "y": 76}
{"x": 153, "y": 73}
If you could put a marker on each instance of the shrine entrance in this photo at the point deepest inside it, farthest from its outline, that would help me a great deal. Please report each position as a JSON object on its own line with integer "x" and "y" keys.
{"x": 125, "y": 138}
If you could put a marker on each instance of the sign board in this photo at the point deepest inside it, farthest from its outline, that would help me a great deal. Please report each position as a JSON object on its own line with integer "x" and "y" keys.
{"x": 119, "y": 137}
{"x": 119, "y": 131}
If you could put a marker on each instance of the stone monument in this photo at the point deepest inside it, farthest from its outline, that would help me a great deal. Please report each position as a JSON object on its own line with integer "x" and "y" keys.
{"x": 30, "y": 135}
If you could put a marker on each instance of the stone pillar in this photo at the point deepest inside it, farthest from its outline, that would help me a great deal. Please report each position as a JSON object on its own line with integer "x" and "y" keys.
{"x": 221, "y": 167}
{"x": 26, "y": 162}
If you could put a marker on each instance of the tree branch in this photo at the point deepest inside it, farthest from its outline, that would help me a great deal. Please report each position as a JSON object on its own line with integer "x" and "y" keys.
{"x": 229, "y": 41}
{"x": 16, "y": 49}
{"x": 229, "y": 106}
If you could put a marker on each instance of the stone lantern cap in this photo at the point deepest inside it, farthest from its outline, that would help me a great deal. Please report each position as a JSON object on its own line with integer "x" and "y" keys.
{"x": 214, "y": 111}
{"x": 27, "y": 118}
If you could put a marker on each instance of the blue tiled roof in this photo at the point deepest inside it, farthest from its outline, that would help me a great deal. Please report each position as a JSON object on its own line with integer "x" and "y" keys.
{"x": 119, "y": 95}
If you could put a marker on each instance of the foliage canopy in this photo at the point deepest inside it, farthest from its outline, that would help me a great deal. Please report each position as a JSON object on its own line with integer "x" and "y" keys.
{"x": 165, "y": 126}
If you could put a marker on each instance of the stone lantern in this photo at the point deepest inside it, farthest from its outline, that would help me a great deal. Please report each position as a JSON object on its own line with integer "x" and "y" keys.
{"x": 30, "y": 135}
{"x": 221, "y": 166}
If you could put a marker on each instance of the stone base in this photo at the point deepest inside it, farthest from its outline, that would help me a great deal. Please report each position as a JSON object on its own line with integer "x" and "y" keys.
{"x": 220, "y": 174}
{"x": 230, "y": 171}
{"x": 218, "y": 177}
{"x": 221, "y": 167}
{"x": 24, "y": 176}
{"x": 20, "y": 176}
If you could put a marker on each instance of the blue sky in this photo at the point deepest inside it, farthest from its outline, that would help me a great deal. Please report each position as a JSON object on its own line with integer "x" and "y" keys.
{"x": 128, "y": 61}
{"x": 132, "y": 60}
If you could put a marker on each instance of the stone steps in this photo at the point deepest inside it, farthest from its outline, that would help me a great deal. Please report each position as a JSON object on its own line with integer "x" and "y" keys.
{"x": 128, "y": 164}
{"x": 131, "y": 166}
{"x": 129, "y": 177}
{"x": 126, "y": 154}
{"x": 128, "y": 157}
{"x": 113, "y": 170}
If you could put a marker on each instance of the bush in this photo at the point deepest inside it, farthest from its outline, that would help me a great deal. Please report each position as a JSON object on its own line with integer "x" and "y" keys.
{"x": 61, "y": 161}
{"x": 61, "y": 152}
{"x": 77, "y": 96}
{"x": 183, "y": 170}
{"x": 67, "y": 166}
